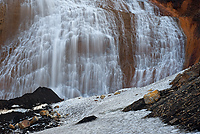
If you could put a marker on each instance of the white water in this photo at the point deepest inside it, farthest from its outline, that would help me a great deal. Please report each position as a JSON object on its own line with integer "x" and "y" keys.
{"x": 159, "y": 47}
{"x": 72, "y": 47}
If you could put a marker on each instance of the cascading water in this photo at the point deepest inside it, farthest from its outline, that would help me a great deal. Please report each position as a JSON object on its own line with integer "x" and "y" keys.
{"x": 69, "y": 47}
{"x": 72, "y": 46}
{"x": 159, "y": 47}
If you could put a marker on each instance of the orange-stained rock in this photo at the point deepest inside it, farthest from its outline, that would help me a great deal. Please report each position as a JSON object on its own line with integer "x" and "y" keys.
{"x": 188, "y": 13}
{"x": 152, "y": 97}
{"x": 117, "y": 92}
{"x": 24, "y": 124}
{"x": 12, "y": 14}
{"x": 34, "y": 120}
{"x": 102, "y": 96}
{"x": 44, "y": 113}
{"x": 150, "y": 90}
{"x": 11, "y": 126}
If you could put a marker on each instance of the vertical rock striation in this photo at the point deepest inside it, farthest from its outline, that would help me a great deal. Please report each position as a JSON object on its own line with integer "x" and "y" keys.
{"x": 86, "y": 47}
{"x": 188, "y": 13}
{"x": 9, "y": 21}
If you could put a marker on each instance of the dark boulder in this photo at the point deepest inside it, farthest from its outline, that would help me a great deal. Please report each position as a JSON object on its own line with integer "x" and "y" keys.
{"x": 87, "y": 119}
{"x": 40, "y": 96}
{"x": 137, "y": 105}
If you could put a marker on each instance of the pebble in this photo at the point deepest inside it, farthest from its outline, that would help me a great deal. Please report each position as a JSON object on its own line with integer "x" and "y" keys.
{"x": 102, "y": 96}
{"x": 56, "y": 106}
{"x": 11, "y": 126}
{"x": 116, "y": 93}
{"x": 44, "y": 113}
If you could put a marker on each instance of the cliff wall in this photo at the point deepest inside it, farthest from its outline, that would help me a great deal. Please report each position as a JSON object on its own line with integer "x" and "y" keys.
{"x": 9, "y": 21}
{"x": 188, "y": 13}
{"x": 12, "y": 16}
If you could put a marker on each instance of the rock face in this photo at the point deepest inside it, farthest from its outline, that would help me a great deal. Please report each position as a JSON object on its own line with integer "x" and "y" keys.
{"x": 188, "y": 13}
{"x": 179, "y": 105}
{"x": 18, "y": 17}
{"x": 40, "y": 96}
{"x": 11, "y": 15}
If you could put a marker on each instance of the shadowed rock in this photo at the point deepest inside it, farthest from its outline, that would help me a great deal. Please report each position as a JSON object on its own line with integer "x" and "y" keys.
{"x": 137, "y": 105}
{"x": 40, "y": 96}
{"x": 182, "y": 106}
{"x": 87, "y": 119}
{"x": 17, "y": 119}
{"x": 179, "y": 105}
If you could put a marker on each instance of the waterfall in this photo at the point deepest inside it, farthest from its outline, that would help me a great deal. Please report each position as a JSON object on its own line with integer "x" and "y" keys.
{"x": 74, "y": 47}
{"x": 159, "y": 47}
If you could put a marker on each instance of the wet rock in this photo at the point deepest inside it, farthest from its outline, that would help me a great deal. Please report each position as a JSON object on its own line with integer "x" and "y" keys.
{"x": 152, "y": 97}
{"x": 65, "y": 116}
{"x": 17, "y": 125}
{"x": 87, "y": 119}
{"x": 13, "y": 116}
{"x": 52, "y": 113}
{"x": 187, "y": 11}
{"x": 23, "y": 125}
{"x": 56, "y": 118}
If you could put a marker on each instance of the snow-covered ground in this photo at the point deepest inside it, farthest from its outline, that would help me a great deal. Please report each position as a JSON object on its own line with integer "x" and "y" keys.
{"x": 110, "y": 118}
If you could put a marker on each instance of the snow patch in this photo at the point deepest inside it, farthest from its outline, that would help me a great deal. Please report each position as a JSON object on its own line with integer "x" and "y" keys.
{"x": 110, "y": 118}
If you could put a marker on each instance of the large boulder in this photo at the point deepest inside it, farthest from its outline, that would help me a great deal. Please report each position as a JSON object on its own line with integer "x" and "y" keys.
{"x": 40, "y": 96}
